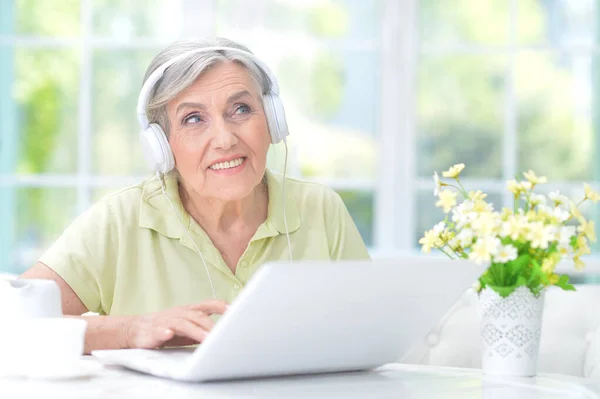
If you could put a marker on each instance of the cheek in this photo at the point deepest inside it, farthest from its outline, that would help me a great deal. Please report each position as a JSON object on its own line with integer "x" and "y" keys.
{"x": 188, "y": 151}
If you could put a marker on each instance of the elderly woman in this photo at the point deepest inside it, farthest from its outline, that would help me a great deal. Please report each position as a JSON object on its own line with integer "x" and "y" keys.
{"x": 158, "y": 259}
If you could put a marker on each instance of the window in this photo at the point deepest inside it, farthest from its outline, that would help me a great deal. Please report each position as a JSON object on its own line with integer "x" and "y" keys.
{"x": 71, "y": 72}
{"x": 507, "y": 86}
{"x": 378, "y": 93}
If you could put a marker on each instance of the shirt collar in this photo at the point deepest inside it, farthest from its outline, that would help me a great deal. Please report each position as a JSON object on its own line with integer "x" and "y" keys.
{"x": 157, "y": 214}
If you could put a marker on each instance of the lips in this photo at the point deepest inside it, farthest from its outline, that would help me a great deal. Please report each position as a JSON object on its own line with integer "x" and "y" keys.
{"x": 227, "y": 164}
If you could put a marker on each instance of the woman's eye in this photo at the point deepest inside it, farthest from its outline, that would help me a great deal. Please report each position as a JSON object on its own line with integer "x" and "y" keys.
{"x": 242, "y": 109}
{"x": 192, "y": 119}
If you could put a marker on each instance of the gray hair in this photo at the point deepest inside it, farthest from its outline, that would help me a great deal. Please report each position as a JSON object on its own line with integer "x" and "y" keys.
{"x": 182, "y": 74}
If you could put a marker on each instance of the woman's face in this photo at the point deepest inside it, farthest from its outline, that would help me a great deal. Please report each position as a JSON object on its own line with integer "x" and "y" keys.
{"x": 219, "y": 134}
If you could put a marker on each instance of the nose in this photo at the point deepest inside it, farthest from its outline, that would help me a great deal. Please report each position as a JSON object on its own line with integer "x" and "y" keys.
{"x": 224, "y": 138}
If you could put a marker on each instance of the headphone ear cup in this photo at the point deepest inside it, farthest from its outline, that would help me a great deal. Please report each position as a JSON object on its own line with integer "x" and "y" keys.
{"x": 276, "y": 120}
{"x": 156, "y": 149}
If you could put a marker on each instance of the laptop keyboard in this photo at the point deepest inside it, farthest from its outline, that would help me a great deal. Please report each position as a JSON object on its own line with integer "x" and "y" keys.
{"x": 163, "y": 362}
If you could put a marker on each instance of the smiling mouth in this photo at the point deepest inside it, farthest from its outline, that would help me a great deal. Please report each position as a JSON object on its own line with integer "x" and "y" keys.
{"x": 228, "y": 164}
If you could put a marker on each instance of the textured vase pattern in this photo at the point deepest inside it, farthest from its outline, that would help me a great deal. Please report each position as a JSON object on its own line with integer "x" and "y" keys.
{"x": 510, "y": 332}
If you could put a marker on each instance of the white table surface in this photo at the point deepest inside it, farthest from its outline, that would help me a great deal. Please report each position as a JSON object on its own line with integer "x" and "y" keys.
{"x": 390, "y": 381}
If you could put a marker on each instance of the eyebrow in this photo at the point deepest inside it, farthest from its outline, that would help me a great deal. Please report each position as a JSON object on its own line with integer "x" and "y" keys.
{"x": 232, "y": 98}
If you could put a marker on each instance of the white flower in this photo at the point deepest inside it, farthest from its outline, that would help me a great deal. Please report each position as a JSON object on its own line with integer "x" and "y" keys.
{"x": 465, "y": 237}
{"x": 537, "y": 199}
{"x": 514, "y": 226}
{"x": 437, "y": 183}
{"x": 565, "y": 250}
{"x": 558, "y": 198}
{"x": 485, "y": 223}
{"x": 447, "y": 200}
{"x": 439, "y": 228}
{"x": 506, "y": 253}
{"x": 539, "y": 235}
{"x": 560, "y": 213}
{"x": 565, "y": 234}
{"x": 483, "y": 249}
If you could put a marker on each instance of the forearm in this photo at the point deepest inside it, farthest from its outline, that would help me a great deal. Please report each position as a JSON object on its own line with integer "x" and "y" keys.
{"x": 106, "y": 332}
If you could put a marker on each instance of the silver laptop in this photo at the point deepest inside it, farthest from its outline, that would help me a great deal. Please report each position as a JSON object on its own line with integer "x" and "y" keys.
{"x": 316, "y": 317}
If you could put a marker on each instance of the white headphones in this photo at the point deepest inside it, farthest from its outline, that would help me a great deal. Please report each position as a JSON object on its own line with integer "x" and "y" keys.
{"x": 155, "y": 146}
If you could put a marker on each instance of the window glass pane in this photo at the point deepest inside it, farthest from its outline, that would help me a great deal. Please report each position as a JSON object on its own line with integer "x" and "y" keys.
{"x": 296, "y": 21}
{"x": 558, "y": 110}
{"x": 137, "y": 18}
{"x": 360, "y": 206}
{"x": 460, "y": 114}
{"x": 463, "y": 22}
{"x": 564, "y": 22}
{"x": 117, "y": 80}
{"x": 44, "y": 109}
{"x": 331, "y": 102}
{"x": 39, "y": 215}
{"x": 44, "y": 18}
{"x": 428, "y": 215}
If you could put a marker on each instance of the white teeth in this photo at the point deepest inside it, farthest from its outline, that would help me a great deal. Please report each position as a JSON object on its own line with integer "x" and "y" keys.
{"x": 227, "y": 164}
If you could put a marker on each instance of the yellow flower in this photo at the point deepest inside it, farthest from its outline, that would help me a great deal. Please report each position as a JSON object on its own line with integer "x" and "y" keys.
{"x": 517, "y": 188}
{"x": 514, "y": 227}
{"x": 579, "y": 265}
{"x": 591, "y": 194}
{"x": 575, "y": 212}
{"x": 454, "y": 171}
{"x": 530, "y": 175}
{"x": 480, "y": 206}
{"x": 549, "y": 264}
{"x": 447, "y": 200}
{"x": 587, "y": 229}
{"x": 430, "y": 240}
{"x": 478, "y": 195}
{"x": 582, "y": 246}
{"x": 485, "y": 224}
{"x": 539, "y": 235}
{"x": 554, "y": 278}
{"x": 514, "y": 187}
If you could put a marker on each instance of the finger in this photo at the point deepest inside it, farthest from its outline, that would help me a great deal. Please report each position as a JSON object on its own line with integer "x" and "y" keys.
{"x": 211, "y": 306}
{"x": 188, "y": 329}
{"x": 179, "y": 341}
{"x": 200, "y": 318}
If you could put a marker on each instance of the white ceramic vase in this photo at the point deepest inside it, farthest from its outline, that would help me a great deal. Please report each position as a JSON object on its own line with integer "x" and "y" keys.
{"x": 510, "y": 332}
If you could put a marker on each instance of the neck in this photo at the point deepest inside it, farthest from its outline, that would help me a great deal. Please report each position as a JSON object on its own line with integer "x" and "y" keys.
{"x": 220, "y": 216}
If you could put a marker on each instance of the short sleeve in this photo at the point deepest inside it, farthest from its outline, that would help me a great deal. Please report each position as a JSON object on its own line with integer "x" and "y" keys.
{"x": 345, "y": 242}
{"x": 84, "y": 256}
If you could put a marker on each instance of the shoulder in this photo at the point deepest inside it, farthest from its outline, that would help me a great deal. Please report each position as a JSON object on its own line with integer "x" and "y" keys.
{"x": 311, "y": 196}
{"x": 123, "y": 204}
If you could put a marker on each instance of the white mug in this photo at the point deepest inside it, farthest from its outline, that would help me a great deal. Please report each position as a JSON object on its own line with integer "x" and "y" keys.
{"x": 47, "y": 346}
{"x": 26, "y": 299}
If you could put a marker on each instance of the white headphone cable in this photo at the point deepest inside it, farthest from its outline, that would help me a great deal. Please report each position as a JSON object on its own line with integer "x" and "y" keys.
{"x": 287, "y": 232}
{"x": 164, "y": 191}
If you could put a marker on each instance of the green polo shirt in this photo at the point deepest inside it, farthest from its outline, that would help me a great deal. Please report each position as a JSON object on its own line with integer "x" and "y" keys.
{"x": 129, "y": 254}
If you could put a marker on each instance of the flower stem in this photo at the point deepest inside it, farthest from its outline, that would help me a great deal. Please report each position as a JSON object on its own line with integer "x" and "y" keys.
{"x": 447, "y": 254}
{"x": 464, "y": 192}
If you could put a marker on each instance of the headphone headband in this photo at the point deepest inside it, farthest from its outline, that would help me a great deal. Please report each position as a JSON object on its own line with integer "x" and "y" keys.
{"x": 158, "y": 73}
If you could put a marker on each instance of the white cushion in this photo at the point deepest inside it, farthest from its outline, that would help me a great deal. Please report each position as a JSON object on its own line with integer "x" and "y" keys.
{"x": 569, "y": 329}
{"x": 8, "y": 276}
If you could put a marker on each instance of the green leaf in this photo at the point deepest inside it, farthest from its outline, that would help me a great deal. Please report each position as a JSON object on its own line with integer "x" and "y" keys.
{"x": 563, "y": 282}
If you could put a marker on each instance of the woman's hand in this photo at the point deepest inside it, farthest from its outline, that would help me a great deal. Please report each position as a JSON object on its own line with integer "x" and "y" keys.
{"x": 178, "y": 326}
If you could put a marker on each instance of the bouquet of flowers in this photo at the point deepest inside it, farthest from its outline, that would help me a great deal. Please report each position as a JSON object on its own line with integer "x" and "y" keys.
{"x": 522, "y": 245}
